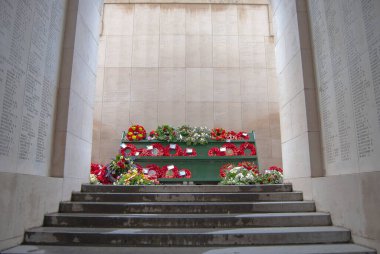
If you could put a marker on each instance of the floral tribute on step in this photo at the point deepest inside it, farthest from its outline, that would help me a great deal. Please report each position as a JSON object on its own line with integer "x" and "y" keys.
{"x": 246, "y": 174}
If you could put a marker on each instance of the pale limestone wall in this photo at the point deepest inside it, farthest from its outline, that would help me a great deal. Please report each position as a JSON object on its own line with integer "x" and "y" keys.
{"x": 346, "y": 186}
{"x": 196, "y": 64}
{"x": 27, "y": 193}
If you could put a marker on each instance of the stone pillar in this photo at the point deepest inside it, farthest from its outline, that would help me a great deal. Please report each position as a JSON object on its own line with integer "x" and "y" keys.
{"x": 75, "y": 101}
{"x": 300, "y": 128}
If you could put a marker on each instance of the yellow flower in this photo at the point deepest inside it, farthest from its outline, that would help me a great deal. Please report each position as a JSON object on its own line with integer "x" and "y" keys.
{"x": 130, "y": 133}
{"x": 134, "y": 137}
{"x": 133, "y": 128}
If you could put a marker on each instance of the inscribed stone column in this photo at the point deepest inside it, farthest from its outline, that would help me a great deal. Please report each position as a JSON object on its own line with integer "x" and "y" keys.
{"x": 73, "y": 134}
{"x": 300, "y": 129}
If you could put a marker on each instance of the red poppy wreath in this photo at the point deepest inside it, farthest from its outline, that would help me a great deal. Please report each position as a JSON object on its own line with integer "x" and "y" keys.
{"x": 184, "y": 173}
{"x": 190, "y": 152}
{"x": 155, "y": 149}
{"x": 128, "y": 150}
{"x": 248, "y": 146}
{"x": 231, "y": 149}
{"x": 215, "y": 151}
{"x": 218, "y": 134}
{"x": 170, "y": 171}
{"x": 173, "y": 147}
{"x": 152, "y": 170}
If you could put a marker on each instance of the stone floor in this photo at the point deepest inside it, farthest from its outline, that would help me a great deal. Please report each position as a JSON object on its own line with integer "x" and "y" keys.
{"x": 288, "y": 249}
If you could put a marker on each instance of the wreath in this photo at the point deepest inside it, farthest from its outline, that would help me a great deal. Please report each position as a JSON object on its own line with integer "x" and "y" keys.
{"x": 152, "y": 170}
{"x": 242, "y": 136}
{"x": 215, "y": 151}
{"x": 140, "y": 152}
{"x": 248, "y": 146}
{"x": 189, "y": 152}
{"x": 218, "y": 134}
{"x": 136, "y": 132}
{"x": 184, "y": 133}
{"x": 155, "y": 149}
{"x": 125, "y": 147}
{"x": 231, "y": 150}
{"x": 225, "y": 168}
{"x": 170, "y": 171}
{"x": 184, "y": 173}
{"x": 231, "y": 135}
{"x": 249, "y": 165}
{"x": 166, "y": 133}
{"x": 177, "y": 149}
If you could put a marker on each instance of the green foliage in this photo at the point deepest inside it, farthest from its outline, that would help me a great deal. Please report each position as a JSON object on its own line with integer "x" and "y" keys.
{"x": 166, "y": 133}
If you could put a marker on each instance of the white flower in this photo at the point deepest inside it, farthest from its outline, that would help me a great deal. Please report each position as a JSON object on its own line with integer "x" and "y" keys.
{"x": 94, "y": 179}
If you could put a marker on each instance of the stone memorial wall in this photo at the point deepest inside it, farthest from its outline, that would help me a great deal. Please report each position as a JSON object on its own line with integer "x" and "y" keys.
{"x": 346, "y": 43}
{"x": 196, "y": 64}
{"x": 31, "y": 34}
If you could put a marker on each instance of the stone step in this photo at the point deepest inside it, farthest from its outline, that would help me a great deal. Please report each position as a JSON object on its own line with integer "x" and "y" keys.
{"x": 187, "y": 188}
{"x": 186, "y": 237}
{"x": 187, "y": 197}
{"x": 284, "y": 249}
{"x": 187, "y": 207}
{"x": 186, "y": 220}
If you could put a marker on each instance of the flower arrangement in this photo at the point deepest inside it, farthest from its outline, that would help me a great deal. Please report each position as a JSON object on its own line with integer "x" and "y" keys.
{"x": 249, "y": 165}
{"x": 136, "y": 133}
{"x": 225, "y": 168}
{"x": 98, "y": 174}
{"x": 133, "y": 177}
{"x": 200, "y": 135}
{"x": 218, "y": 134}
{"x": 273, "y": 175}
{"x": 184, "y": 133}
{"x": 166, "y": 133}
{"x": 119, "y": 165}
{"x": 193, "y": 135}
{"x": 240, "y": 175}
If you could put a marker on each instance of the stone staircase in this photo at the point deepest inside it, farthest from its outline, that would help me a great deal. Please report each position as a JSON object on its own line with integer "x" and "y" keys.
{"x": 208, "y": 218}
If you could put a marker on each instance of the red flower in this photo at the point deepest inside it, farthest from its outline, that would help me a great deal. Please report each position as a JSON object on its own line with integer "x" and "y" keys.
{"x": 275, "y": 168}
